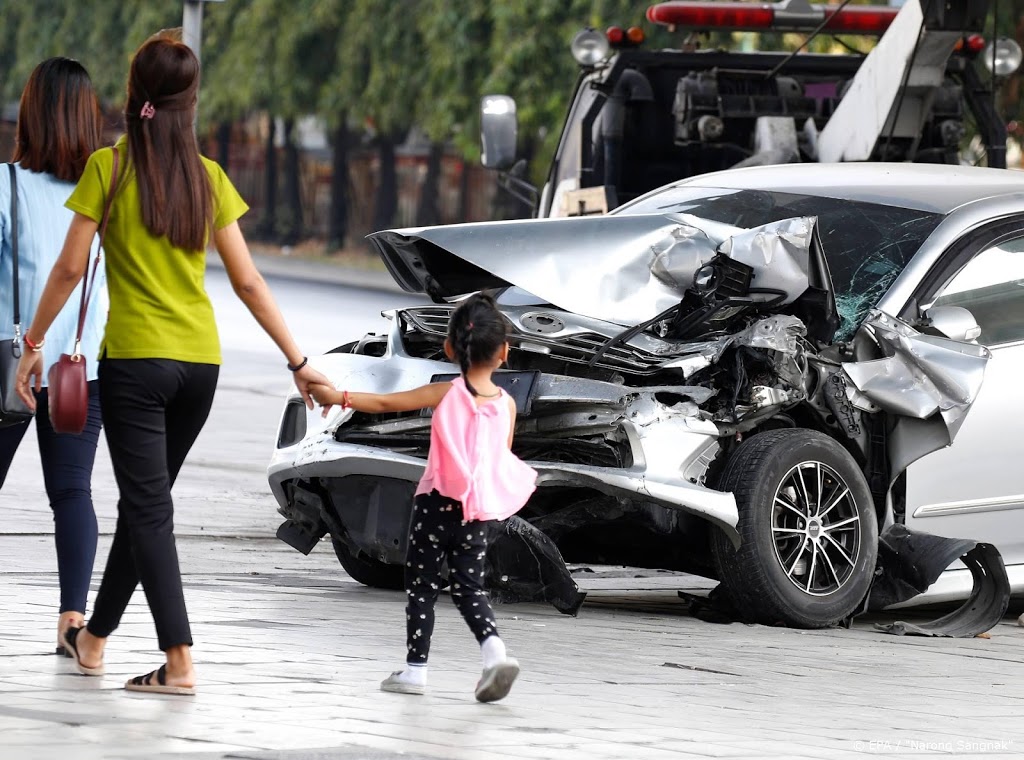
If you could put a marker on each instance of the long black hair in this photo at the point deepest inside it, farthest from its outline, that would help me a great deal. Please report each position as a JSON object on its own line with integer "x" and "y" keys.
{"x": 476, "y": 331}
{"x": 174, "y": 187}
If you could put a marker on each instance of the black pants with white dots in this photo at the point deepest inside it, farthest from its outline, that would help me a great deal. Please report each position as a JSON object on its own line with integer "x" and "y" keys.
{"x": 439, "y": 532}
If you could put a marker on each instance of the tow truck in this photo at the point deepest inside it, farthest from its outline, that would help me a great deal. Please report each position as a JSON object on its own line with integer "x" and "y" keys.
{"x": 639, "y": 119}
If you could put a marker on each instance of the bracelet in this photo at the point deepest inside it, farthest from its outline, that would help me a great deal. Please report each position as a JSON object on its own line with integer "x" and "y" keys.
{"x": 300, "y": 365}
{"x": 345, "y": 403}
{"x": 35, "y": 347}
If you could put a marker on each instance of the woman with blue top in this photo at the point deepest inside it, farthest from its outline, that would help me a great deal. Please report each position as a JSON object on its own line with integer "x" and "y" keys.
{"x": 59, "y": 126}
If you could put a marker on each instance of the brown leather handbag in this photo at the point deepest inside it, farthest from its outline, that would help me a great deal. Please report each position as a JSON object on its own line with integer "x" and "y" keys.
{"x": 68, "y": 385}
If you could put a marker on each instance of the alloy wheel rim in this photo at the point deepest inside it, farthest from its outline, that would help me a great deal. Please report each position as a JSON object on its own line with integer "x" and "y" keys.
{"x": 816, "y": 531}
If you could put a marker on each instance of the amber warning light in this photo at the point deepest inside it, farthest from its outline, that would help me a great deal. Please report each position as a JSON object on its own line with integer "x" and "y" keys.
{"x": 754, "y": 17}
{"x": 619, "y": 37}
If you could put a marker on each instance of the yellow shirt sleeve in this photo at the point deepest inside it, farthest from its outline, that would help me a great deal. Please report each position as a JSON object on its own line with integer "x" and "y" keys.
{"x": 228, "y": 204}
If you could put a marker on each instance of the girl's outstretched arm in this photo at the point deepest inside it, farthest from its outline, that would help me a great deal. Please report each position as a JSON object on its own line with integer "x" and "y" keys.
{"x": 376, "y": 403}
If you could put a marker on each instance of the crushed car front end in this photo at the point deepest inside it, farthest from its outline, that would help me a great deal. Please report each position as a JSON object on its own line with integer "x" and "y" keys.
{"x": 622, "y": 465}
{"x": 679, "y": 383}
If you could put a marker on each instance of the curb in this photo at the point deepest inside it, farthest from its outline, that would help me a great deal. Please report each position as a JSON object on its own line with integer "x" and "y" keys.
{"x": 305, "y": 270}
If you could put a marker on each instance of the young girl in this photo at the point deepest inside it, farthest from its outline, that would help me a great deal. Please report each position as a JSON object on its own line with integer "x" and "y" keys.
{"x": 160, "y": 355}
{"x": 471, "y": 479}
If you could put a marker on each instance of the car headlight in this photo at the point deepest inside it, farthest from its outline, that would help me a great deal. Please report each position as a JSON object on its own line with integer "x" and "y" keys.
{"x": 293, "y": 424}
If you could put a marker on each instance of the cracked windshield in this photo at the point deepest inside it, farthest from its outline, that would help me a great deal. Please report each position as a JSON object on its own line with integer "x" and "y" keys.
{"x": 866, "y": 245}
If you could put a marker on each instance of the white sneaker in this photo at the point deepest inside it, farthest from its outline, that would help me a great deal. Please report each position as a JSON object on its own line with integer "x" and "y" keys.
{"x": 396, "y": 684}
{"x": 496, "y": 682}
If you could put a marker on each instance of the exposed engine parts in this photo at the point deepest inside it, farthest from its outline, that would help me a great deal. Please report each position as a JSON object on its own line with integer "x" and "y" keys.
{"x": 747, "y": 341}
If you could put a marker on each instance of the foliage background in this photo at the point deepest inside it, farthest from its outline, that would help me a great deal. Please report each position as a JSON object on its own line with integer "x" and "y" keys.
{"x": 372, "y": 71}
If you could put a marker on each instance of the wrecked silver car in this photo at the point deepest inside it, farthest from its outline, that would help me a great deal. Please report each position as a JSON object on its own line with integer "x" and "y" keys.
{"x": 747, "y": 375}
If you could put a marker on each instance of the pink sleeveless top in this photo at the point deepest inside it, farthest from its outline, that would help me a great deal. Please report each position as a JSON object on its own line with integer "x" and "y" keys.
{"x": 469, "y": 459}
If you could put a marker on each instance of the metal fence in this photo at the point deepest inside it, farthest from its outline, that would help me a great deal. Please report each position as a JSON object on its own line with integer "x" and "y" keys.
{"x": 461, "y": 199}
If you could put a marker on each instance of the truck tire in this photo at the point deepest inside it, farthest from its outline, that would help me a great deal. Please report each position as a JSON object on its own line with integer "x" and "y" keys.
{"x": 808, "y": 530}
{"x": 369, "y": 571}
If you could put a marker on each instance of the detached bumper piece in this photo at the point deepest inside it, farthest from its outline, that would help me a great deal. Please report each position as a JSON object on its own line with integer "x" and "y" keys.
{"x": 525, "y": 565}
{"x": 304, "y": 523}
{"x": 909, "y": 562}
{"x": 298, "y": 537}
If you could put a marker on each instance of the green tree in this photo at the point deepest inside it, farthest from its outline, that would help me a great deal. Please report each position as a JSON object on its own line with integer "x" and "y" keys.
{"x": 457, "y": 42}
{"x": 333, "y": 105}
{"x": 380, "y": 75}
{"x": 244, "y": 77}
{"x": 273, "y": 57}
{"x": 307, "y": 54}
{"x": 10, "y": 85}
{"x": 101, "y": 34}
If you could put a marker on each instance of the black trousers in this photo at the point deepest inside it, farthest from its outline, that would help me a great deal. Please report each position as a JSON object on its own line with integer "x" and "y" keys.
{"x": 153, "y": 410}
{"x": 438, "y": 532}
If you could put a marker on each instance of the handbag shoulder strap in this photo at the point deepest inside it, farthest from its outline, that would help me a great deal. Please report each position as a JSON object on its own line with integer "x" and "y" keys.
{"x": 90, "y": 281}
{"x": 14, "y": 251}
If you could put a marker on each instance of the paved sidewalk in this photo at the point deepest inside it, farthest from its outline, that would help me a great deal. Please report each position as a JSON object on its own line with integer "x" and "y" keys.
{"x": 289, "y": 653}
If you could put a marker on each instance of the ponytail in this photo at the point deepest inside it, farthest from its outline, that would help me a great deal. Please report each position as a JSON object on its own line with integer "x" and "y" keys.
{"x": 476, "y": 331}
{"x": 463, "y": 349}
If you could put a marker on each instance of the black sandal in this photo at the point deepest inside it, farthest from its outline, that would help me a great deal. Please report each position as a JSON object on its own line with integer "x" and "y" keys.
{"x": 156, "y": 683}
{"x": 70, "y": 635}
{"x": 61, "y": 650}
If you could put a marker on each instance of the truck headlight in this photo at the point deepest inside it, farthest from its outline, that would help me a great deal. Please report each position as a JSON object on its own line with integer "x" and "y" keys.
{"x": 590, "y": 47}
{"x": 1002, "y": 57}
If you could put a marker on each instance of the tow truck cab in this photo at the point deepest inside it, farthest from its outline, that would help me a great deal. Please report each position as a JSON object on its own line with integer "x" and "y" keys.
{"x": 639, "y": 119}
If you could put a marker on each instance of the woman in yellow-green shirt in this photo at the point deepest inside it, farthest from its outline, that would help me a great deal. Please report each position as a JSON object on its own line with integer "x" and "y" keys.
{"x": 160, "y": 355}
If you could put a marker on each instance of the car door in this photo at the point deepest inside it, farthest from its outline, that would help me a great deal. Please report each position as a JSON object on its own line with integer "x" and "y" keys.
{"x": 975, "y": 488}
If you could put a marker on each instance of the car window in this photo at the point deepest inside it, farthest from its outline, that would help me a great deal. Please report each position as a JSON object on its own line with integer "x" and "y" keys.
{"x": 991, "y": 287}
{"x": 867, "y": 245}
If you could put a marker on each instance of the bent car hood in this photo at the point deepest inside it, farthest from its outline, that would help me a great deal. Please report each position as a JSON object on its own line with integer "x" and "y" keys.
{"x": 621, "y": 269}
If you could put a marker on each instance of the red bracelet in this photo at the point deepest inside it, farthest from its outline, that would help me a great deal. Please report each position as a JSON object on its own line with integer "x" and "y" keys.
{"x": 345, "y": 403}
{"x": 37, "y": 347}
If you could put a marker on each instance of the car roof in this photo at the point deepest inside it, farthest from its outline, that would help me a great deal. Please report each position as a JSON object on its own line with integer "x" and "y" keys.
{"x": 938, "y": 188}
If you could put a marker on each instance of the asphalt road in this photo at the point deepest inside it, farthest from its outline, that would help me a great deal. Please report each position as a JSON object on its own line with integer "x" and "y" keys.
{"x": 289, "y": 650}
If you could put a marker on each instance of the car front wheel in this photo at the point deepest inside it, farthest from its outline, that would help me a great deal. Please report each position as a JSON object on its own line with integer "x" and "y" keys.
{"x": 367, "y": 570}
{"x": 808, "y": 530}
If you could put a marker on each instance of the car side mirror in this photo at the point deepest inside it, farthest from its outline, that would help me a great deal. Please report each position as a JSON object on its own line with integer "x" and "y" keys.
{"x": 955, "y": 322}
{"x": 498, "y": 131}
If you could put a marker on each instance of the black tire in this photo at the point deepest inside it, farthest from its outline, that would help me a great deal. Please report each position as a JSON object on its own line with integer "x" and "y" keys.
{"x": 369, "y": 571}
{"x": 805, "y": 573}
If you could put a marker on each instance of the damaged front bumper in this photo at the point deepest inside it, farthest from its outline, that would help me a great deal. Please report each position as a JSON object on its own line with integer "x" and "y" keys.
{"x": 668, "y": 451}
{"x": 354, "y": 476}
